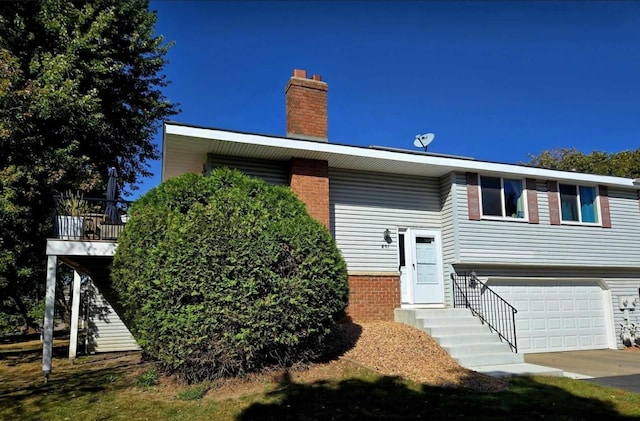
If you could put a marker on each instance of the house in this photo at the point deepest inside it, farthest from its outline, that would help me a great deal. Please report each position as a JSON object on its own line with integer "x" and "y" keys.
{"x": 422, "y": 233}
{"x": 561, "y": 247}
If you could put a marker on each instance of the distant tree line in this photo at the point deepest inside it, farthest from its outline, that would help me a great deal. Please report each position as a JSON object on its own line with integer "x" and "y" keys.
{"x": 619, "y": 164}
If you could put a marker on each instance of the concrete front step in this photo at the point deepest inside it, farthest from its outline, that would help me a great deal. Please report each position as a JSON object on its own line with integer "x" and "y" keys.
{"x": 449, "y": 321}
{"x": 462, "y": 335}
{"x": 467, "y": 340}
{"x": 464, "y": 349}
{"x": 439, "y": 331}
{"x": 421, "y": 313}
{"x": 498, "y": 358}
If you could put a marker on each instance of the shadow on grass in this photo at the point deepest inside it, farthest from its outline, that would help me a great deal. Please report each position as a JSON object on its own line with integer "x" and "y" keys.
{"x": 31, "y": 336}
{"x": 393, "y": 398}
{"x": 29, "y": 397}
{"x": 29, "y": 355}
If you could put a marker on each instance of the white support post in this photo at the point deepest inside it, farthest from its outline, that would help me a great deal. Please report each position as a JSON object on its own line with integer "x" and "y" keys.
{"x": 50, "y": 302}
{"x": 75, "y": 315}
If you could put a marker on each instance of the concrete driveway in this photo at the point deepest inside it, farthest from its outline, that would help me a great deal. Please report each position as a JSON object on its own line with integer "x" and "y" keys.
{"x": 608, "y": 367}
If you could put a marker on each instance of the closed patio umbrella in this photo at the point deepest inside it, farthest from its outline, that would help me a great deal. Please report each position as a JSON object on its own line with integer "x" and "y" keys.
{"x": 111, "y": 209}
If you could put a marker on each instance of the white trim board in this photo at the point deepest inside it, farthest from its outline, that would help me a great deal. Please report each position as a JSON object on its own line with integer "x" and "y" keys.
{"x": 81, "y": 248}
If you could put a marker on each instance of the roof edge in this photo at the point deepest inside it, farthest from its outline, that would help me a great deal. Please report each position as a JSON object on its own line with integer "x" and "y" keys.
{"x": 457, "y": 164}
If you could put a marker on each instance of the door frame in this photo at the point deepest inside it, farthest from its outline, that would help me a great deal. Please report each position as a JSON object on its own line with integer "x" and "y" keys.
{"x": 410, "y": 233}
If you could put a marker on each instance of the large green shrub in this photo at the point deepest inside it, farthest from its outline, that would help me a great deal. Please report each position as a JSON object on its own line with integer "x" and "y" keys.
{"x": 225, "y": 274}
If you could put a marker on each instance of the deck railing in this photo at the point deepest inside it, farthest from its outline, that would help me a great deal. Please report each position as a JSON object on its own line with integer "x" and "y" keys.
{"x": 493, "y": 310}
{"x": 100, "y": 219}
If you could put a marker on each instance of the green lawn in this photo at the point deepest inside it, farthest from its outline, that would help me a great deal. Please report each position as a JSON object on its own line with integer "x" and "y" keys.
{"x": 104, "y": 388}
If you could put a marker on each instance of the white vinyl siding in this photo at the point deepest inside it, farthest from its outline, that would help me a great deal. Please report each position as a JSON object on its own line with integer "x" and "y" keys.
{"x": 363, "y": 205}
{"x": 273, "y": 172}
{"x": 500, "y": 241}
{"x": 106, "y": 331}
{"x": 181, "y": 159}
{"x": 449, "y": 235}
{"x": 623, "y": 287}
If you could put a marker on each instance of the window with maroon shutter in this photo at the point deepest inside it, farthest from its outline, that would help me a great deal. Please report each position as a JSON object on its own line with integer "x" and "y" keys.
{"x": 579, "y": 204}
{"x": 576, "y": 204}
{"x": 502, "y": 198}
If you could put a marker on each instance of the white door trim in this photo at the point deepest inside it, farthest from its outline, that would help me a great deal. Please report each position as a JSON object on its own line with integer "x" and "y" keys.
{"x": 410, "y": 235}
{"x": 406, "y": 290}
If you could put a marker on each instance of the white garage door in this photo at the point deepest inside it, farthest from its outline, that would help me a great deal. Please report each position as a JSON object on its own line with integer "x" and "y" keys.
{"x": 556, "y": 317}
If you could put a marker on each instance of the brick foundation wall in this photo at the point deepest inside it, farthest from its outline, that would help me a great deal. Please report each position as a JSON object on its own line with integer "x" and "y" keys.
{"x": 373, "y": 297}
{"x": 309, "y": 179}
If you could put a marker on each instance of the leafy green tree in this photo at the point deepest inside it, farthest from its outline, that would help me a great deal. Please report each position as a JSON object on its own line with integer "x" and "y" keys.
{"x": 80, "y": 91}
{"x": 226, "y": 274}
{"x": 620, "y": 164}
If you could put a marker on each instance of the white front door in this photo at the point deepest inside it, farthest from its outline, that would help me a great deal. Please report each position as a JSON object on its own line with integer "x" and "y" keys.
{"x": 421, "y": 267}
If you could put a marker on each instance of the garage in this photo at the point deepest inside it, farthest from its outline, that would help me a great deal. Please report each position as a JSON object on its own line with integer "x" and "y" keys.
{"x": 556, "y": 316}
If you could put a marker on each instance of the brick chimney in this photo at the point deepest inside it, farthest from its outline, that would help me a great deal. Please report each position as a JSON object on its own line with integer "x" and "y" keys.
{"x": 307, "y": 120}
{"x": 306, "y": 107}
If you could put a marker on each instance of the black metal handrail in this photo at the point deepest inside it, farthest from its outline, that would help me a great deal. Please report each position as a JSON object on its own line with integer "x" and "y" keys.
{"x": 493, "y": 310}
{"x": 89, "y": 218}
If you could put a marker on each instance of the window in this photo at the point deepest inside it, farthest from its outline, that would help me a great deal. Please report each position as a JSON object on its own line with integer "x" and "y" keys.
{"x": 578, "y": 204}
{"x": 502, "y": 197}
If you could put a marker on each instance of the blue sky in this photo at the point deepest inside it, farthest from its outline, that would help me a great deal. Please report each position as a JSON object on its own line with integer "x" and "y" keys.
{"x": 495, "y": 81}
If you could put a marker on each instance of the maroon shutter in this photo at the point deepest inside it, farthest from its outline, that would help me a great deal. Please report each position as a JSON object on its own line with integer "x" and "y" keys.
{"x": 473, "y": 196}
{"x": 554, "y": 202}
{"x": 638, "y": 198}
{"x": 605, "y": 212}
{"x": 532, "y": 201}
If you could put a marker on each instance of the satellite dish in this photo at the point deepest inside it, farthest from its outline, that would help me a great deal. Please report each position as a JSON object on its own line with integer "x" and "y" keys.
{"x": 422, "y": 141}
